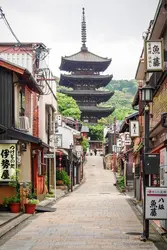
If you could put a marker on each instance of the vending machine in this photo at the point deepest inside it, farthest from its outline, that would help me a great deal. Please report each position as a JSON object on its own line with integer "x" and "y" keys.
{"x": 163, "y": 177}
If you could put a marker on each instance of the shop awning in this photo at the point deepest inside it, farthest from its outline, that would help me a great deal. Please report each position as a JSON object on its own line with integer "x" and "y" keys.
{"x": 45, "y": 145}
{"x": 22, "y": 136}
{"x": 2, "y": 129}
{"x": 17, "y": 134}
{"x": 158, "y": 148}
{"x": 62, "y": 151}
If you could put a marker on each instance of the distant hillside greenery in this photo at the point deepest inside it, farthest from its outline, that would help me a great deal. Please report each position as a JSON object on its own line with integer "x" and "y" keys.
{"x": 122, "y": 98}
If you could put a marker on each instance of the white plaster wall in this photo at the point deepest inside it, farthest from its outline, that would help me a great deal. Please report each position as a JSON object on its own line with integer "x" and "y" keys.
{"x": 46, "y": 98}
{"x": 25, "y": 167}
{"x": 67, "y": 137}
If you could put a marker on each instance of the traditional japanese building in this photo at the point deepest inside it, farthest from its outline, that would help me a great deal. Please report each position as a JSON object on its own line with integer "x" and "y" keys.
{"x": 84, "y": 78}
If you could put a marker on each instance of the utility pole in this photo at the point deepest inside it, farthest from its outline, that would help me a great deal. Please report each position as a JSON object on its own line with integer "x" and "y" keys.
{"x": 146, "y": 176}
{"x": 114, "y": 152}
{"x": 114, "y": 165}
{"x": 48, "y": 160}
{"x": 71, "y": 166}
{"x": 54, "y": 151}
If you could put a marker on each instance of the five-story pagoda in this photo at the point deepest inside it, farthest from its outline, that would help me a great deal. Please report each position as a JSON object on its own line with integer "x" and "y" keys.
{"x": 84, "y": 78}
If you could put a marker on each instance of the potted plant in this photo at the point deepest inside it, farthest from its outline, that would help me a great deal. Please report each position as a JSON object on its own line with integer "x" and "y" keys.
{"x": 13, "y": 203}
{"x": 66, "y": 179}
{"x": 59, "y": 178}
{"x": 32, "y": 202}
{"x": 62, "y": 178}
{"x": 30, "y": 206}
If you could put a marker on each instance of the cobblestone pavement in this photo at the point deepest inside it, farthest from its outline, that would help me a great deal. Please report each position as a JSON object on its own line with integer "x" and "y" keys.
{"x": 95, "y": 216}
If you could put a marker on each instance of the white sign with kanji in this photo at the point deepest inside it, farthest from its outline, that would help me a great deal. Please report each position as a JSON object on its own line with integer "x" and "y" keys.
{"x": 154, "y": 55}
{"x": 134, "y": 128}
{"x": 8, "y": 162}
{"x": 127, "y": 139}
{"x": 119, "y": 143}
{"x": 156, "y": 203}
{"x": 58, "y": 140}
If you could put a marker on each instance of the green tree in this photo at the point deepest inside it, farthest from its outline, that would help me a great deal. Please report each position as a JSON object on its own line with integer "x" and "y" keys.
{"x": 103, "y": 121}
{"x": 67, "y": 106}
{"x": 84, "y": 144}
{"x": 96, "y": 132}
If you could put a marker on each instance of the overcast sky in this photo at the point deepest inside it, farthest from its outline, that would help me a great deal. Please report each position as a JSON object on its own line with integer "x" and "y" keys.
{"x": 114, "y": 28}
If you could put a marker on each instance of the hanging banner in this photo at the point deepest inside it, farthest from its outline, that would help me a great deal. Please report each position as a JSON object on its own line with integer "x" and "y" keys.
{"x": 134, "y": 129}
{"x": 154, "y": 55}
{"x": 8, "y": 159}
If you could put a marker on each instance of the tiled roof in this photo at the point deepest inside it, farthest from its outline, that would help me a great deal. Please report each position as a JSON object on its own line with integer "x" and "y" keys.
{"x": 95, "y": 77}
{"x": 96, "y": 109}
{"x": 86, "y": 56}
{"x": 88, "y": 92}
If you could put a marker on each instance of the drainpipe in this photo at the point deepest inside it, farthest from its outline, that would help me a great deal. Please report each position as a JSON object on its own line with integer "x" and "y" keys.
{"x": 33, "y": 155}
{"x": 48, "y": 160}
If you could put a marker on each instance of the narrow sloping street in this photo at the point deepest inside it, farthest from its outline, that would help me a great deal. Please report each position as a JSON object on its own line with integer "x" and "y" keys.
{"x": 95, "y": 216}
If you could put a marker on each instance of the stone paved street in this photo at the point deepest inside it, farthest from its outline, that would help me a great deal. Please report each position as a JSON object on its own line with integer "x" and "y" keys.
{"x": 95, "y": 216}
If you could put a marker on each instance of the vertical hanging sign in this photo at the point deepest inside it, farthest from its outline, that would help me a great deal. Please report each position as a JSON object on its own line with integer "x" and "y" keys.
{"x": 154, "y": 55}
{"x": 134, "y": 128}
{"x": 8, "y": 159}
{"x": 127, "y": 139}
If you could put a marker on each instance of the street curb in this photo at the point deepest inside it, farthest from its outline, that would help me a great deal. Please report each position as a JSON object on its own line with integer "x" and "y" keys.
{"x": 16, "y": 221}
{"x": 13, "y": 223}
{"x": 155, "y": 227}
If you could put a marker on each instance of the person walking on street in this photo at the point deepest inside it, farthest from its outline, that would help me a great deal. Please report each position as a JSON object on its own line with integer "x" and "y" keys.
{"x": 95, "y": 151}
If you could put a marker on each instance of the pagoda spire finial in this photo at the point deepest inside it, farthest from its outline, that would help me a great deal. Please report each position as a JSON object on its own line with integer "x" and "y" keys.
{"x": 83, "y": 31}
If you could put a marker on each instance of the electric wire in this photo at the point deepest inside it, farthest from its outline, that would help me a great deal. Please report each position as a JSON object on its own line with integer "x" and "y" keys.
{"x": 48, "y": 88}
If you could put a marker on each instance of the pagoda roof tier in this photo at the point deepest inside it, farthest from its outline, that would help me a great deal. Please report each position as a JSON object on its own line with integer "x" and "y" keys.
{"x": 71, "y": 80}
{"x": 84, "y": 60}
{"x": 96, "y": 111}
{"x": 102, "y": 96}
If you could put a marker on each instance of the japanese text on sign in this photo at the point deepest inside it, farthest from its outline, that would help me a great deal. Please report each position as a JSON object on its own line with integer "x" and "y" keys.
{"x": 7, "y": 161}
{"x": 134, "y": 128}
{"x": 127, "y": 139}
{"x": 154, "y": 56}
{"x": 156, "y": 203}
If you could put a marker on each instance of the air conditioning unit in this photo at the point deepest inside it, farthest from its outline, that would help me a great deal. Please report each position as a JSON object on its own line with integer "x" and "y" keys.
{"x": 24, "y": 123}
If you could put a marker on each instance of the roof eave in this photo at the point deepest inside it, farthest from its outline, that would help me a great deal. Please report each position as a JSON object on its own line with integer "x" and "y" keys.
{"x": 136, "y": 99}
{"x": 31, "y": 82}
{"x": 20, "y": 71}
{"x": 125, "y": 124}
{"x": 11, "y": 66}
{"x": 156, "y": 17}
{"x": 140, "y": 73}
{"x": 101, "y": 77}
{"x": 98, "y": 110}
